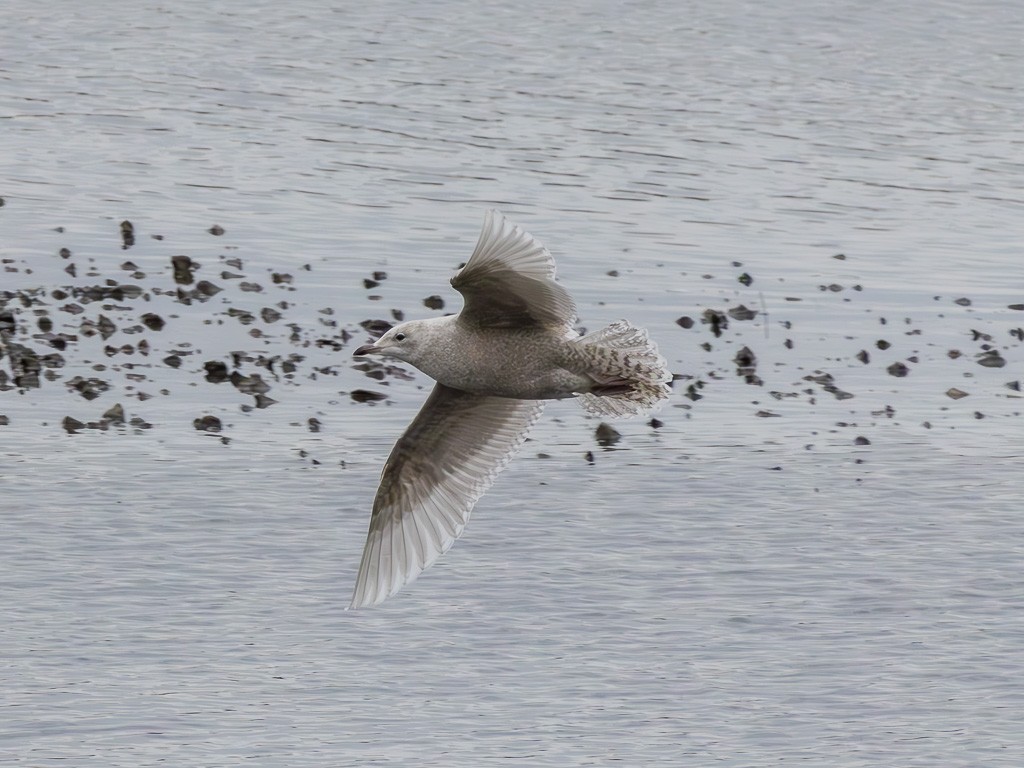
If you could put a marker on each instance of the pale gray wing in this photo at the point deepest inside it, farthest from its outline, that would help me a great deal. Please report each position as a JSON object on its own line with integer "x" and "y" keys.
{"x": 509, "y": 281}
{"x": 446, "y": 460}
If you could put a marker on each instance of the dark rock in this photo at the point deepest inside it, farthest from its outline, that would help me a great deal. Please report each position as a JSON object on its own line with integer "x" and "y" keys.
{"x": 955, "y": 393}
{"x": 153, "y": 321}
{"x": 114, "y": 414}
{"x": 991, "y": 359}
{"x": 718, "y": 321}
{"x": 90, "y": 388}
{"x": 376, "y": 328}
{"x": 183, "y": 268}
{"x": 742, "y": 313}
{"x": 898, "y": 369}
{"x": 216, "y": 371}
{"x": 366, "y": 396}
{"x": 882, "y": 344}
{"x": 433, "y": 302}
{"x": 685, "y": 322}
{"x": 127, "y": 235}
{"x": 249, "y": 385}
{"x": 606, "y": 435}
{"x": 861, "y": 440}
{"x": 216, "y": 230}
{"x": 207, "y": 424}
{"x": 314, "y": 424}
{"x": 72, "y": 425}
{"x": 269, "y": 315}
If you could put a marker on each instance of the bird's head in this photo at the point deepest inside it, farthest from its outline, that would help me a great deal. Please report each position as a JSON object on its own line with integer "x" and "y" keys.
{"x": 403, "y": 342}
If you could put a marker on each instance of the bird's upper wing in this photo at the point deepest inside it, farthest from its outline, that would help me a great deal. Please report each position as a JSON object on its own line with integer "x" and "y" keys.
{"x": 447, "y": 458}
{"x": 509, "y": 281}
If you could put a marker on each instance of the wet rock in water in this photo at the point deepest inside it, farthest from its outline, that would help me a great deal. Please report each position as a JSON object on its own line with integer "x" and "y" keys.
{"x": 378, "y": 275}
{"x": 269, "y": 315}
{"x": 281, "y": 278}
{"x": 90, "y": 388}
{"x": 685, "y": 322}
{"x": 861, "y": 440}
{"x": 433, "y": 302}
{"x": 127, "y": 235}
{"x": 314, "y": 424}
{"x": 64, "y": 253}
{"x": 216, "y": 230}
{"x": 898, "y": 369}
{"x": 216, "y": 371}
{"x": 882, "y": 344}
{"x": 953, "y": 354}
{"x": 1017, "y": 307}
{"x": 606, "y": 435}
{"x": 4, "y": 420}
{"x": 153, "y": 321}
{"x": 963, "y": 302}
{"x": 746, "y": 366}
{"x": 263, "y": 401}
{"x": 718, "y": 321}
{"x": 398, "y": 314}
{"x": 656, "y": 423}
{"x": 956, "y": 394}
{"x": 8, "y": 325}
{"x": 745, "y": 279}
{"x": 72, "y": 425}
{"x": 376, "y": 328}
{"x": 249, "y": 385}
{"x": 767, "y": 414}
{"x": 589, "y": 456}
{"x": 742, "y": 313}
{"x": 244, "y": 317}
{"x": 827, "y": 382}
{"x": 864, "y": 357}
{"x": 207, "y": 424}
{"x": 366, "y": 396}
{"x": 991, "y": 359}
{"x": 72, "y": 270}
{"x": 113, "y": 415}
{"x": 205, "y": 289}
{"x": 172, "y": 361}
{"x": 1014, "y": 385}
{"x": 368, "y": 284}
{"x": 183, "y": 268}
{"x": 248, "y": 287}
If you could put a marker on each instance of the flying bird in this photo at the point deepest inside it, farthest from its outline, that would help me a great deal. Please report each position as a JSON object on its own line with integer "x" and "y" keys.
{"x": 511, "y": 348}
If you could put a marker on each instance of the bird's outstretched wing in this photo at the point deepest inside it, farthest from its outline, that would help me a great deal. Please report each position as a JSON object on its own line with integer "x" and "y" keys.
{"x": 446, "y": 460}
{"x": 509, "y": 281}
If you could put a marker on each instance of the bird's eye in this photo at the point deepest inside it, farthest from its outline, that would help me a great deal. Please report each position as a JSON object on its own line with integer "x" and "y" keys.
{"x": 399, "y": 337}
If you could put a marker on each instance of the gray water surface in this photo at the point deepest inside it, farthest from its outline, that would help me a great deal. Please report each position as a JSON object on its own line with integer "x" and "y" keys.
{"x": 814, "y": 562}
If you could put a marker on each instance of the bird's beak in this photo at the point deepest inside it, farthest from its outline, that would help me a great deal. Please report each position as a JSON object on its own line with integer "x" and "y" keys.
{"x": 366, "y": 349}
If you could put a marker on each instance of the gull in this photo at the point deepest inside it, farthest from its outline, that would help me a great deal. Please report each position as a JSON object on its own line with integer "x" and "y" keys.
{"x": 511, "y": 348}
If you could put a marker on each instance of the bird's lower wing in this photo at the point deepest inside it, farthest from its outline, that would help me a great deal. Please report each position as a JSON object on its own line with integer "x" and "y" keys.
{"x": 446, "y": 460}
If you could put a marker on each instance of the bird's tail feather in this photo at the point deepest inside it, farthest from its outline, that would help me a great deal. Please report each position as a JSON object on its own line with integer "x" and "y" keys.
{"x": 630, "y": 376}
